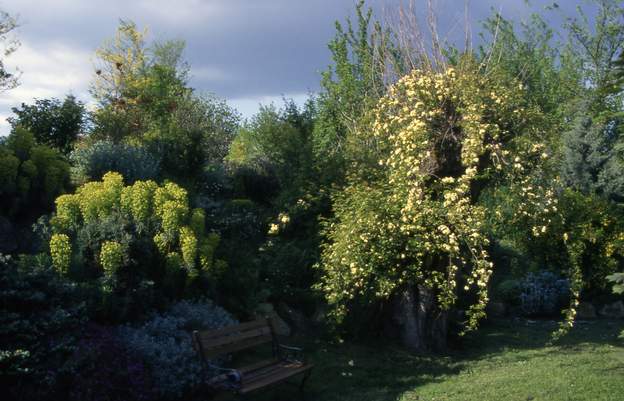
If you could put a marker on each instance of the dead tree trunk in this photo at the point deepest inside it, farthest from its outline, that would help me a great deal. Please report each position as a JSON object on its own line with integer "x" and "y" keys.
{"x": 423, "y": 326}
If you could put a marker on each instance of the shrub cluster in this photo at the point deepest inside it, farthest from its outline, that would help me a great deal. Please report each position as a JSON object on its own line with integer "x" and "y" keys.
{"x": 41, "y": 318}
{"x": 31, "y": 175}
{"x": 132, "y": 240}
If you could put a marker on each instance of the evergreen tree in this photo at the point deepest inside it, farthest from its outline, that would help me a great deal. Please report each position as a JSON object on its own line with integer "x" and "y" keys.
{"x": 592, "y": 157}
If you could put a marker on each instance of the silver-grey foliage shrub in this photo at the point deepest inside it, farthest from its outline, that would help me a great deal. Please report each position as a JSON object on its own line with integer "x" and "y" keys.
{"x": 133, "y": 162}
{"x": 164, "y": 343}
{"x": 543, "y": 293}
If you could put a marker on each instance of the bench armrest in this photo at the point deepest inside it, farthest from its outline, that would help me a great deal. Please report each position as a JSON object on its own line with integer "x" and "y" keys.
{"x": 291, "y": 354}
{"x": 226, "y": 378}
{"x": 220, "y": 368}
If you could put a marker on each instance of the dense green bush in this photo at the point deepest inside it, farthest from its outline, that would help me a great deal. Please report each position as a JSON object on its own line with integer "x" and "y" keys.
{"x": 31, "y": 175}
{"x": 509, "y": 291}
{"x": 289, "y": 254}
{"x": 41, "y": 318}
{"x": 582, "y": 230}
{"x": 199, "y": 134}
{"x": 52, "y": 122}
{"x": 148, "y": 102}
{"x": 91, "y": 161}
{"x": 278, "y": 141}
{"x": 241, "y": 224}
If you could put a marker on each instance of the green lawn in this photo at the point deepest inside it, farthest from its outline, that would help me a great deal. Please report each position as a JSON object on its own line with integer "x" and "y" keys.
{"x": 506, "y": 360}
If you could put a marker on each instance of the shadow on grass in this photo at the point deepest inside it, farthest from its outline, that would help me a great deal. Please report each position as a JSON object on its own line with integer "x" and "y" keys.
{"x": 526, "y": 334}
{"x": 383, "y": 371}
{"x": 363, "y": 372}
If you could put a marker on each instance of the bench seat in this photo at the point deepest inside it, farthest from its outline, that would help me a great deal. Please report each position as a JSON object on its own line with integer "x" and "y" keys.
{"x": 269, "y": 372}
{"x": 285, "y": 363}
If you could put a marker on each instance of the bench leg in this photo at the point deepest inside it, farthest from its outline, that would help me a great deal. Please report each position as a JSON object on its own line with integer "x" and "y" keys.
{"x": 305, "y": 377}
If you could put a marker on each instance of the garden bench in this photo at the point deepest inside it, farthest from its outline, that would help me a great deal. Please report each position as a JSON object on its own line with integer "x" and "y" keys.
{"x": 285, "y": 362}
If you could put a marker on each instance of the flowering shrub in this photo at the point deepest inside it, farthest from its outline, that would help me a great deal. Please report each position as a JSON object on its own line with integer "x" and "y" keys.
{"x": 188, "y": 245}
{"x": 111, "y": 257}
{"x": 135, "y": 236}
{"x": 164, "y": 343}
{"x": 60, "y": 250}
{"x": 413, "y": 221}
{"x": 580, "y": 235}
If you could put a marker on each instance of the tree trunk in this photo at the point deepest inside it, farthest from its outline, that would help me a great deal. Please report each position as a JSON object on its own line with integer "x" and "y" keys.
{"x": 423, "y": 325}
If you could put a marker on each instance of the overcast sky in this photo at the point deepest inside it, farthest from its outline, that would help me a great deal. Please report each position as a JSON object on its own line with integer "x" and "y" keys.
{"x": 246, "y": 51}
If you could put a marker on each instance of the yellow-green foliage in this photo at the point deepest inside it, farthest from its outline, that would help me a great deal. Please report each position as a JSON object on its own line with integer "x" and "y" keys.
{"x": 171, "y": 205}
{"x": 60, "y": 250}
{"x": 111, "y": 257}
{"x": 138, "y": 199}
{"x": 31, "y": 175}
{"x": 198, "y": 218}
{"x": 206, "y": 252}
{"x": 188, "y": 245}
{"x": 67, "y": 212}
{"x": 416, "y": 223}
{"x": 161, "y": 242}
{"x": 173, "y": 261}
{"x": 159, "y": 212}
{"x": 98, "y": 199}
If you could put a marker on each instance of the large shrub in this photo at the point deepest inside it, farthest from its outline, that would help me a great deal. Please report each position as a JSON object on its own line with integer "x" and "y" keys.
{"x": 133, "y": 242}
{"x": 91, "y": 162}
{"x": 411, "y": 227}
{"x": 164, "y": 343}
{"x": 31, "y": 175}
{"x": 41, "y": 318}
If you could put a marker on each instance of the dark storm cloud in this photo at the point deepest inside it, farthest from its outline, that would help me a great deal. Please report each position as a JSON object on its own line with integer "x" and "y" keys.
{"x": 238, "y": 49}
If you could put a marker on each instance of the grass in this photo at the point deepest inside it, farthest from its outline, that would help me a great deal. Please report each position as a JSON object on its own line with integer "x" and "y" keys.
{"x": 504, "y": 360}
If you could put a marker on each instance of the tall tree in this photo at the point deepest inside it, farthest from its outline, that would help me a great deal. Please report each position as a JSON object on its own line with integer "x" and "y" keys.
{"x": 597, "y": 47}
{"x": 592, "y": 161}
{"x": 52, "y": 122}
{"x": 349, "y": 88}
{"x": 138, "y": 87}
{"x": 8, "y": 45}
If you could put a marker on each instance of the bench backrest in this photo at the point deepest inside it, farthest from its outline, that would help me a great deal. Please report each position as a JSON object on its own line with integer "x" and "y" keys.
{"x": 233, "y": 338}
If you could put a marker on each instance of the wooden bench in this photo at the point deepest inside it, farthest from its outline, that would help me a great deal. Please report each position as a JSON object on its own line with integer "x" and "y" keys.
{"x": 285, "y": 363}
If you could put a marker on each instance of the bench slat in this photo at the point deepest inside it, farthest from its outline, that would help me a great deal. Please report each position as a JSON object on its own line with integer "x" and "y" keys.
{"x": 233, "y": 347}
{"x": 254, "y": 324}
{"x": 213, "y": 342}
{"x": 258, "y": 365}
{"x": 278, "y": 376}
